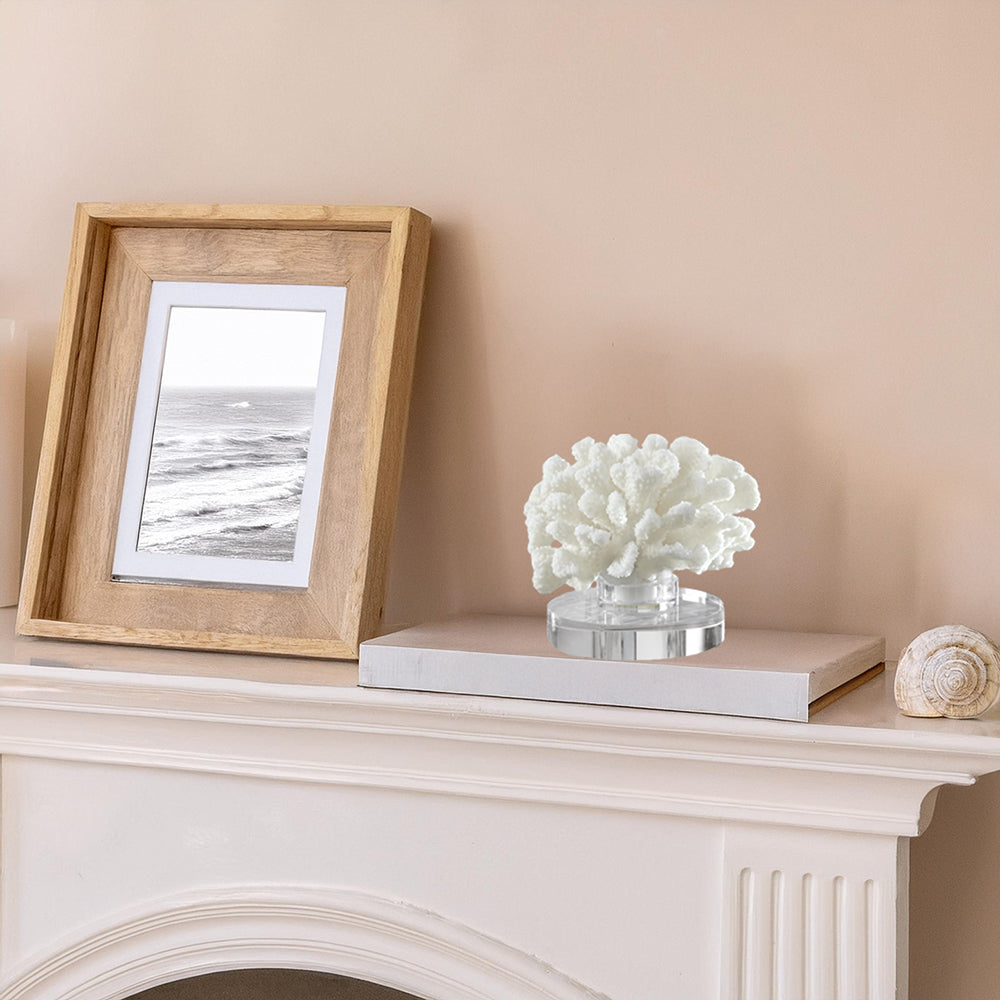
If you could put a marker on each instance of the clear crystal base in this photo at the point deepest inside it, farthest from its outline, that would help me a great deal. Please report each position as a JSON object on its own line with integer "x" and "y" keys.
{"x": 653, "y": 619}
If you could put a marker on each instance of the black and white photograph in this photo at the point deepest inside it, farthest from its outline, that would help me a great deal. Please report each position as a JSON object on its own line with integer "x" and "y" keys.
{"x": 231, "y": 435}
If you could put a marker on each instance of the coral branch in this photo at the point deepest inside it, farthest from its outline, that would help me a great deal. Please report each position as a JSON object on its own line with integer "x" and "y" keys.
{"x": 630, "y": 510}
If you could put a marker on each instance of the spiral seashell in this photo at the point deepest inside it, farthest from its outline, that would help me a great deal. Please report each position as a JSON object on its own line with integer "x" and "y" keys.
{"x": 951, "y": 671}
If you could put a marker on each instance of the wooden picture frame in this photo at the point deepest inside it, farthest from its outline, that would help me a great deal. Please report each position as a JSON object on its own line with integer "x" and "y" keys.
{"x": 119, "y": 252}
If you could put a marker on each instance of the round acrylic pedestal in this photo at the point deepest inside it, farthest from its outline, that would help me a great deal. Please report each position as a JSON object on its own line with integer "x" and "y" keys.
{"x": 635, "y": 620}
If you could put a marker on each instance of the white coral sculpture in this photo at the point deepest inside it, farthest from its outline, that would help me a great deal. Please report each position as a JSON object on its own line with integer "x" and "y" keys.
{"x": 632, "y": 511}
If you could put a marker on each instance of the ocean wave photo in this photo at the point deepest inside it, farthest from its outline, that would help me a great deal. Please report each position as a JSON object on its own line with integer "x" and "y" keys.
{"x": 226, "y": 471}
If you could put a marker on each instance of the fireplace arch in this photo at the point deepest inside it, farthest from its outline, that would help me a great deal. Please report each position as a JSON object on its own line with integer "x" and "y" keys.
{"x": 342, "y": 932}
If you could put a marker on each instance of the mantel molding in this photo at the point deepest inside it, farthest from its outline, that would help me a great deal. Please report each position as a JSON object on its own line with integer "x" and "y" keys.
{"x": 835, "y": 777}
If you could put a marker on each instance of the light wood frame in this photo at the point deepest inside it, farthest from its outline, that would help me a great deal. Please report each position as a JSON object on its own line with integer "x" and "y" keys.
{"x": 118, "y": 250}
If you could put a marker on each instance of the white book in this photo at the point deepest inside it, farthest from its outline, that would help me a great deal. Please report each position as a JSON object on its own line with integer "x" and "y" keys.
{"x": 753, "y": 673}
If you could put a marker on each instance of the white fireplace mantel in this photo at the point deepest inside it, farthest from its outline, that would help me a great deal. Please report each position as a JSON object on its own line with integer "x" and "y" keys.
{"x": 166, "y": 814}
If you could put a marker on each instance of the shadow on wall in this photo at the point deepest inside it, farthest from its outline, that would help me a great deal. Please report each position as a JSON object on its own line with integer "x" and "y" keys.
{"x": 954, "y": 886}
{"x": 267, "y": 984}
{"x": 449, "y": 483}
{"x": 753, "y": 411}
{"x": 837, "y": 536}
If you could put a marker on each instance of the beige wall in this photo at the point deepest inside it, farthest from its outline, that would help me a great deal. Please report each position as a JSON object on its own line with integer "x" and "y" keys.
{"x": 772, "y": 226}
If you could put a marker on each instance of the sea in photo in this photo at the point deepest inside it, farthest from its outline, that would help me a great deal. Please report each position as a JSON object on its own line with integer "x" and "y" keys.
{"x": 226, "y": 471}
